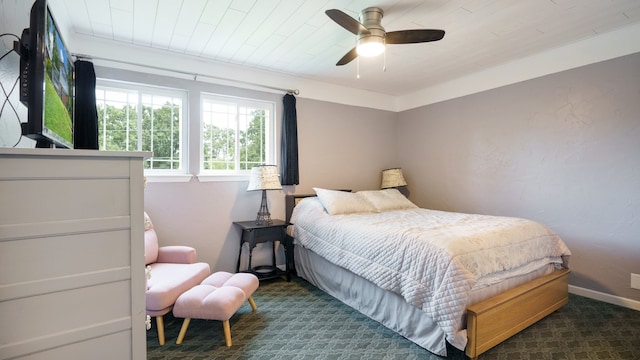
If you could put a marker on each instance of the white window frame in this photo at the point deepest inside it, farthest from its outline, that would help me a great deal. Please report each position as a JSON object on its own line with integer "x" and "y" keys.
{"x": 181, "y": 173}
{"x": 270, "y": 136}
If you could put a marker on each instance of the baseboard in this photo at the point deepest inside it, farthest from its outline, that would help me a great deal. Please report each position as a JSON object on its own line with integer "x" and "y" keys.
{"x": 604, "y": 297}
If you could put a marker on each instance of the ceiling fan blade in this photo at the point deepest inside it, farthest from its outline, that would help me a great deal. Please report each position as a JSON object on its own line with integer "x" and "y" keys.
{"x": 346, "y": 21}
{"x": 348, "y": 57}
{"x": 413, "y": 36}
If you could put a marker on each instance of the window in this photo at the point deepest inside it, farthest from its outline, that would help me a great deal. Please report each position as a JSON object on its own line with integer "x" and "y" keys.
{"x": 236, "y": 134}
{"x": 135, "y": 117}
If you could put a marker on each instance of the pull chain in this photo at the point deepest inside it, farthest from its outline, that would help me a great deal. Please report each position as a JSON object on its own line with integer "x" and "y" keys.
{"x": 384, "y": 60}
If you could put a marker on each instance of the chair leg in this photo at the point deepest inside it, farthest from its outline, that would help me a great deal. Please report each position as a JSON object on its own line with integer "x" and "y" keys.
{"x": 160, "y": 324}
{"x": 252, "y": 303}
{"x": 183, "y": 330}
{"x": 227, "y": 332}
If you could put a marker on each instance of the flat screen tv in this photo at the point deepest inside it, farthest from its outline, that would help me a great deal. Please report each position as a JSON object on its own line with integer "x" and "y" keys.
{"x": 46, "y": 81}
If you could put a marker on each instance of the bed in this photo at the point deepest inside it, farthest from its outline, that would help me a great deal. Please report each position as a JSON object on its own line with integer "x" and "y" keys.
{"x": 431, "y": 276}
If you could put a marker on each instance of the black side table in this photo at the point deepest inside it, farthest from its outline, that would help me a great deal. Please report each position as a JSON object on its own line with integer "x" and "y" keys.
{"x": 256, "y": 234}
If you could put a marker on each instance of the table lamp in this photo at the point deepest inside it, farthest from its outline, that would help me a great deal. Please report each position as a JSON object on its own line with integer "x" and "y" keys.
{"x": 264, "y": 177}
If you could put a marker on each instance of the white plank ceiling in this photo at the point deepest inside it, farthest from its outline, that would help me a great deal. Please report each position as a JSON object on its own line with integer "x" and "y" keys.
{"x": 296, "y": 38}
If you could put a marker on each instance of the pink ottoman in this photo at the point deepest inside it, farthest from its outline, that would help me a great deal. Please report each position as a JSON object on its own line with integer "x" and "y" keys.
{"x": 217, "y": 297}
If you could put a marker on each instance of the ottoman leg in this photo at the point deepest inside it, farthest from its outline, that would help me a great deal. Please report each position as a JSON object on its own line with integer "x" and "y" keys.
{"x": 227, "y": 332}
{"x": 160, "y": 324}
{"x": 252, "y": 303}
{"x": 183, "y": 330}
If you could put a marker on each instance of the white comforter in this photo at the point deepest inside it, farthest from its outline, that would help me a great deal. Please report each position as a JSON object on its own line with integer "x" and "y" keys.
{"x": 431, "y": 258}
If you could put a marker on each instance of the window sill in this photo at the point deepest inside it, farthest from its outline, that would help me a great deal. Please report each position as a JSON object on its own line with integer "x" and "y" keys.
{"x": 222, "y": 178}
{"x": 156, "y": 178}
{"x": 170, "y": 178}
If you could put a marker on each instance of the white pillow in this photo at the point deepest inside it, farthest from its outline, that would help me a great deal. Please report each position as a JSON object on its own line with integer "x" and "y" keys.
{"x": 342, "y": 202}
{"x": 387, "y": 200}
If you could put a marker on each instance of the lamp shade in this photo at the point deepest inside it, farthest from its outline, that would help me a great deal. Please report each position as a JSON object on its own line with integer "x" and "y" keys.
{"x": 264, "y": 177}
{"x": 392, "y": 178}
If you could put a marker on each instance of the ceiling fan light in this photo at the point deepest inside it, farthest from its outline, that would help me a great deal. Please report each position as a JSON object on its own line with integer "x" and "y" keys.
{"x": 370, "y": 46}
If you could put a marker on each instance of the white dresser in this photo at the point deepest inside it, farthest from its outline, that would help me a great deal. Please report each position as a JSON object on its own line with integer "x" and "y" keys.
{"x": 72, "y": 254}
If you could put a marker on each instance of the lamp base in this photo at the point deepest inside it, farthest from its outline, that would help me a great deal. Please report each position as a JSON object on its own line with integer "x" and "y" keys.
{"x": 264, "y": 217}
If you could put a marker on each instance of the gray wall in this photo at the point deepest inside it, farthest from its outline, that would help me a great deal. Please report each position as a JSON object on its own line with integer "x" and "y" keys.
{"x": 563, "y": 149}
{"x": 340, "y": 147}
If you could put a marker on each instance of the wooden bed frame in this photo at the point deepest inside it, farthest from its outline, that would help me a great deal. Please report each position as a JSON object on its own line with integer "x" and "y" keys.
{"x": 496, "y": 319}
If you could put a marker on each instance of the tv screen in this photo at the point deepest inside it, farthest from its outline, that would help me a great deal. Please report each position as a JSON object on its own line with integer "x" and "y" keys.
{"x": 47, "y": 81}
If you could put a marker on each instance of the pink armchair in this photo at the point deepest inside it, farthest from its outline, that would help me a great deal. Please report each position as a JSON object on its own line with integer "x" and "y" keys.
{"x": 174, "y": 270}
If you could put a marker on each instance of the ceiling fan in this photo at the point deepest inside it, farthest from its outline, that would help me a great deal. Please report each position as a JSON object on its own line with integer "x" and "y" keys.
{"x": 371, "y": 36}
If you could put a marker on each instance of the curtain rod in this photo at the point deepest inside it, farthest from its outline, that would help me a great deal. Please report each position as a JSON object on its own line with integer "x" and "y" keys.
{"x": 195, "y": 75}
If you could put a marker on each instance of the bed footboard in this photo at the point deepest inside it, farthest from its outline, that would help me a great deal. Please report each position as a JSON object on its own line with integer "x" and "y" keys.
{"x": 496, "y": 319}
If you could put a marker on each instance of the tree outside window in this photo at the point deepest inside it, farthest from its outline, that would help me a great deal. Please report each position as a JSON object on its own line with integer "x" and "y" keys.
{"x": 237, "y": 134}
{"x": 142, "y": 118}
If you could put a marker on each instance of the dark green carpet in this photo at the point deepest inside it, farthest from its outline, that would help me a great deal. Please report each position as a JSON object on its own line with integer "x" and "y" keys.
{"x": 297, "y": 321}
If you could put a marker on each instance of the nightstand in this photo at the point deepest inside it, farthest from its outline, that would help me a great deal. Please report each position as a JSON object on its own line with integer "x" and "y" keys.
{"x": 257, "y": 234}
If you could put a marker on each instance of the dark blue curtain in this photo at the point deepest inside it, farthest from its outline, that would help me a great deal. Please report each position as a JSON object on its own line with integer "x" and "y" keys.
{"x": 85, "y": 127}
{"x": 289, "y": 142}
